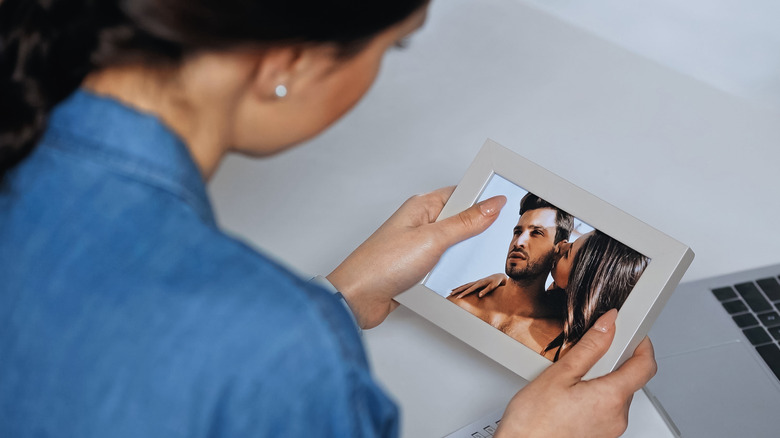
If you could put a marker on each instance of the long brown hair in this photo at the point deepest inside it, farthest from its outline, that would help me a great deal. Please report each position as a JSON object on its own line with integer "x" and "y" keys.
{"x": 604, "y": 272}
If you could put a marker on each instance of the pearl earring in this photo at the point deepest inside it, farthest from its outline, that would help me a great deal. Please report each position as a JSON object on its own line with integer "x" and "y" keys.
{"x": 280, "y": 91}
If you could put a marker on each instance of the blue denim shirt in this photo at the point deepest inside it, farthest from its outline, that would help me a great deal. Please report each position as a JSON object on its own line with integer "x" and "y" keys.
{"x": 126, "y": 312}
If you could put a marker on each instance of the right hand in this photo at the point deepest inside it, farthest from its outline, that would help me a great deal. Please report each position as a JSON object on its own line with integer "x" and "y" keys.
{"x": 403, "y": 250}
{"x": 483, "y": 286}
{"x": 559, "y": 403}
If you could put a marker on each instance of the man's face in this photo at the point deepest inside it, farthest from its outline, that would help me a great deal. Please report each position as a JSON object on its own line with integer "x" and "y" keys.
{"x": 532, "y": 248}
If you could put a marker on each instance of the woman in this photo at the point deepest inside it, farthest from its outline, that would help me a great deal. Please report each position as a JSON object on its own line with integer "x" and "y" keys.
{"x": 124, "y": 310}
{"x": 602, "y": 272}
{"x": 597, "y": 274}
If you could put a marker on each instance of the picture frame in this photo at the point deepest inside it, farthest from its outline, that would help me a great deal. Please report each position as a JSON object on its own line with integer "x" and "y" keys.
{"x": 498, "y": 170}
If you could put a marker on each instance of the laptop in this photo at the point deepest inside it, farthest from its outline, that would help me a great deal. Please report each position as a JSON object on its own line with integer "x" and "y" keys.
{"x": 718, "y": 352}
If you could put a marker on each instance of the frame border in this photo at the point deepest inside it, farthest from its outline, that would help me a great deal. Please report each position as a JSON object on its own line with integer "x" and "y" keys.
{"x": 669, "y": 261}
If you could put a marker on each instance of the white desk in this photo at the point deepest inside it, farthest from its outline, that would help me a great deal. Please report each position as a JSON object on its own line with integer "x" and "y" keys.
{"x": 689, "y": 160}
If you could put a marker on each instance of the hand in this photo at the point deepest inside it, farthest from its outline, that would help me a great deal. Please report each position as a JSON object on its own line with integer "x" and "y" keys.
{"x": 403, "y": 250}
{"x": 483, "y": 286}
{"x": 559, "y": 403}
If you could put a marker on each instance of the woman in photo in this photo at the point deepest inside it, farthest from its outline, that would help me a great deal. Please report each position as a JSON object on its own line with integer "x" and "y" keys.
{"x": 598, "y": 273}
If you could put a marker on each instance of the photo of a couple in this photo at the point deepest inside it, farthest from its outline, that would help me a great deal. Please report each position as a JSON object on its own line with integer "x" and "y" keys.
{"x": 591, "y": 273}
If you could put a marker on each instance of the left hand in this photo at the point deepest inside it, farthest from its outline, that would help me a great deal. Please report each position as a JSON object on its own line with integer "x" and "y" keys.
{"x": 403, "y": 250}
{"x": 560, "y": 404}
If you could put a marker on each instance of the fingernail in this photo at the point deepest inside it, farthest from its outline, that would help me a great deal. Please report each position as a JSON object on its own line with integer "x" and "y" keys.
{"x": 491, "y": 206}
{"x": 606, "y": 321}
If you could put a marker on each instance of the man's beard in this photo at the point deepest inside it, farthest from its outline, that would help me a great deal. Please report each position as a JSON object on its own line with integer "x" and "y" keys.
{"x": 532, "y": 270}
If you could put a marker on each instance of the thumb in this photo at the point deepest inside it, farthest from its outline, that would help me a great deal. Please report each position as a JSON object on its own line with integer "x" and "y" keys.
{"x": 589, "y": 349}
{"x": 472, "y": 221}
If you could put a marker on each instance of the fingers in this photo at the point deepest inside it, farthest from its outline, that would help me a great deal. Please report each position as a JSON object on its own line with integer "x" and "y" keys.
{"x": 588, "y": 350}
{"x": 488, "y": 288}
{"x": 461, "y": 288}
{"x": 495, "y": 281}
{"x": 471, "y": 221}
{"x": 636, "y": 371}
{"x": 434, "y": 202}
{"x": 466, "y": 289}
{"x": 474, "y": 287}
{"x": 484, "y": 286}
{"x": 443, "y": 194}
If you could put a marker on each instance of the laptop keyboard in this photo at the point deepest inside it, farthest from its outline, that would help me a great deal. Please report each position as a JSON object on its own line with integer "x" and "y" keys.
{"x": 755, "y": 308}
{"x": 485, "y": 427}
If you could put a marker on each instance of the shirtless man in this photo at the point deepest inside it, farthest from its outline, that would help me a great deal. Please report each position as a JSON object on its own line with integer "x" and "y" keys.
{"x": 520, "y": 306}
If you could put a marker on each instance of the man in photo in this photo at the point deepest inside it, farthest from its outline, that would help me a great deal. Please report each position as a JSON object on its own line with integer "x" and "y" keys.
{"x": 520, "y": 306}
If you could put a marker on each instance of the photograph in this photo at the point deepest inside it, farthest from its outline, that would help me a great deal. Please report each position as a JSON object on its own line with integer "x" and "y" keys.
{"x": 538, "y": 274}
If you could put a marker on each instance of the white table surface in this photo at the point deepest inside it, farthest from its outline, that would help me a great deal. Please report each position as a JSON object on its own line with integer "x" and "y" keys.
{"x": 689, "y": 160}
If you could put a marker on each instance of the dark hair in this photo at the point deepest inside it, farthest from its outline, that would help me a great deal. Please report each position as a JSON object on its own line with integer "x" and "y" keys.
{"x": 564, "y": 222}
{"x": 47, "y": 47}
{"x": 604, "y": 272}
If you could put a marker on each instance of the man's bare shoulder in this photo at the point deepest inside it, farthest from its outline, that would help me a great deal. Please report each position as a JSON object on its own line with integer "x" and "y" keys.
{"x": 465, "y": 302}
{"x": 484, "y": 307}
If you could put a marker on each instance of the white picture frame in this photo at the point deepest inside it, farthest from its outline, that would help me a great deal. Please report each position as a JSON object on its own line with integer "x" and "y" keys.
{"x": 669, "y": 260}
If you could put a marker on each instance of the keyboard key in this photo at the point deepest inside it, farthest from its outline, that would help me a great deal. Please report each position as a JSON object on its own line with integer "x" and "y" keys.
{"x": 736, "y": 306}
{"x": 771, "y": 288}
{"x": 724, "y": 293}
{"x": 745, "y": 320}
{"x": 769, "y": 319}
{"x": 757, "y": 335}
{"x": 753, "y": 297}
{"x": 775, "y": 332}
{"x": 771, "y": 355}
{"x": 490, "y": 430}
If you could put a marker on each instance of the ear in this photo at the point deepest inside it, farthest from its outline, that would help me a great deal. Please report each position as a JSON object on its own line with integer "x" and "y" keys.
{"x": 293, "y": 67}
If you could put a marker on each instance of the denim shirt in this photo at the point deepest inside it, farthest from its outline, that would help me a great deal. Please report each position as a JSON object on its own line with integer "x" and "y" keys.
{"x": 126, "y": 312}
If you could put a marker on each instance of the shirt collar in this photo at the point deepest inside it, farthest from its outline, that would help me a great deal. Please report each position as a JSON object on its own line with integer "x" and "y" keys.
{"x": 131, "y": 142}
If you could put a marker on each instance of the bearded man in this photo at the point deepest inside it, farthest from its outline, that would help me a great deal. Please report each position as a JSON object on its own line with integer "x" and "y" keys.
{"x": 520, "y": 306}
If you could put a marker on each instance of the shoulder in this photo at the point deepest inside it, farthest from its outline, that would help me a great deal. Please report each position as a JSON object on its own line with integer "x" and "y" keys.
{"x": 144, "y": 296}
{"x": 484, "y": 307}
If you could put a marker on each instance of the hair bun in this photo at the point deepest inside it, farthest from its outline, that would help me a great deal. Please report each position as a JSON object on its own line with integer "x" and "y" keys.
{"x": 45, "y": 48}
